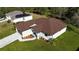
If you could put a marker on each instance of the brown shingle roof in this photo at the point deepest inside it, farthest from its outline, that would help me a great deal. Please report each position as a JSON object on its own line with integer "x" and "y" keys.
{"x": 50, "y": 26}
{"x": 55, "y": 25}
{"x": 22, "y": 26}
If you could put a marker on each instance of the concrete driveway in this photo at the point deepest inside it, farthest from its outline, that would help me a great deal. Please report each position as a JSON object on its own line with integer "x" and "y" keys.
{"x": 9, "y": 39}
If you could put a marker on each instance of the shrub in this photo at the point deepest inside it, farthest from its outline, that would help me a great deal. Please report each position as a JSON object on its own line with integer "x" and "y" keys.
{"x": 9, "y": 21}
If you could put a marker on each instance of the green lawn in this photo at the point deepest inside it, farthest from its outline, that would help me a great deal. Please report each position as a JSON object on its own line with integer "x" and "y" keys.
{"x": 6, "y": 29}
{"x": 37, "y": 16}
{"x": 69, "y": 41}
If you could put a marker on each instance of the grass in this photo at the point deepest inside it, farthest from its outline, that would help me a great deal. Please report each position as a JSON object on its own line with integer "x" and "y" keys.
{"x": 6, "y": 29}
{"x": 69, "y": 41}
{"x": 36, "y": 16}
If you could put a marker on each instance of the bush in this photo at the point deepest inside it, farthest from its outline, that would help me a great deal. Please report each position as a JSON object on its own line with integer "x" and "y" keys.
{"x": 9, "y": 21}
{"x": 73, "y": 28}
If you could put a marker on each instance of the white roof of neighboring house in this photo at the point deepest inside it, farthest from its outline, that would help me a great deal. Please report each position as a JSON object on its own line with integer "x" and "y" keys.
{"x": 13, "y": 14}
{"x": 16, "y": 14}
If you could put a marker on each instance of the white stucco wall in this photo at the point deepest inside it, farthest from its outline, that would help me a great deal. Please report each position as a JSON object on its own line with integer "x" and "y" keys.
{"x": 41, "y": 35}
{"x": 17, "y": 20}
{"x": 27, "y": 18}
{"x": 49, "y": 37}
{"x": 59, "y": 33}
{"x": 27, "y": 32}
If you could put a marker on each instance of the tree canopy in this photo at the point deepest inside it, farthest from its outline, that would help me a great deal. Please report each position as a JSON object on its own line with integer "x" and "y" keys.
{"x": 68, "y": 13}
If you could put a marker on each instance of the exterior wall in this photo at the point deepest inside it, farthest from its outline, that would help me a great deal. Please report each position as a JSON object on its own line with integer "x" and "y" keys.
{"x": 26, "y": 33}
{"x": 59, "y": 33}
{"x": 17, "y": 20}
{"x": 49, "y": 37}
{"x": 27, "y": 18}
{"x": 41, "y": 35}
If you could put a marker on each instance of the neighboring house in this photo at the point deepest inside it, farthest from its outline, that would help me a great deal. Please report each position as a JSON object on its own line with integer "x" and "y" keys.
{"x": 2, "y": 18}
{"x": 18, "y": 16}
{"x": 44, "y": 28}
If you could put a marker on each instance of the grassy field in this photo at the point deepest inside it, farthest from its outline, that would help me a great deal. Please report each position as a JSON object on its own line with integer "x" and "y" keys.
{"x": 69, "y": 41}
{"x": 36, "y": 16}
{"x": 6, "y": 29}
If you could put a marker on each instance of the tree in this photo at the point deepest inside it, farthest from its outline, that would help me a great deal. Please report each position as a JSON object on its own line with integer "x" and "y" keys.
{"x": 57, "y": 11}
{"x": 71, "y": 11}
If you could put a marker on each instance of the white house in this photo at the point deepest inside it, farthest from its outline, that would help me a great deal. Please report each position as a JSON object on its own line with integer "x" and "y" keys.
{"x": 50, "y": 28}
{"x": 18, "y": 16}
